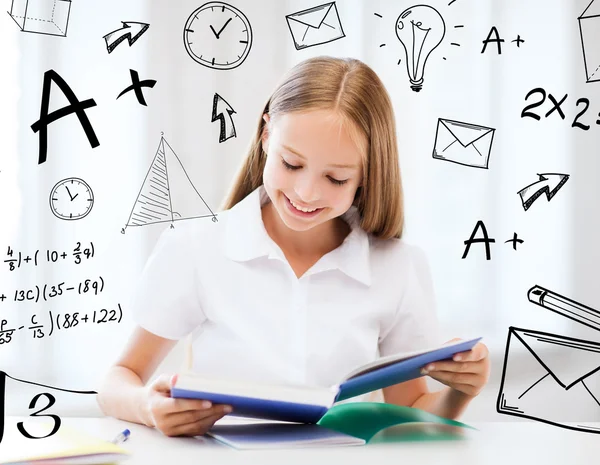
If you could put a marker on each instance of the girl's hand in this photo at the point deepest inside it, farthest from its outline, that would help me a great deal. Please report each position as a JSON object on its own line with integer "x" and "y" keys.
{"x": 179, "y": 417}
{"x": 467, "y": 372}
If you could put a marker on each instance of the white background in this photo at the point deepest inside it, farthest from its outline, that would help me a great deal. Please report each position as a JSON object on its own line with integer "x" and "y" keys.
{"x": 443, "y": 200}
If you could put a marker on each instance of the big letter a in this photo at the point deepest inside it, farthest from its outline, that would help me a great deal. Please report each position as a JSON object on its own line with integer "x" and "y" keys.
{"x": 75, "y": 106}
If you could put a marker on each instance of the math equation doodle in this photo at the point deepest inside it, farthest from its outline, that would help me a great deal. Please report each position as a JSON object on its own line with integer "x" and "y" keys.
{"x": 17, "y": 259}
{"x": 51, "y": 399}
{"x": 167, "y": 193}
{"x": 60, "y": 322}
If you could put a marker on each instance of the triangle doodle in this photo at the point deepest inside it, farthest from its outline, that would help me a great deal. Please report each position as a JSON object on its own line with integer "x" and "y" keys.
{"x": 167, "y": 193}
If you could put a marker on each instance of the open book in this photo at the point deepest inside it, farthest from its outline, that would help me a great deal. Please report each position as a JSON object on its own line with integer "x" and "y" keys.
{"x": 307, "y": 404}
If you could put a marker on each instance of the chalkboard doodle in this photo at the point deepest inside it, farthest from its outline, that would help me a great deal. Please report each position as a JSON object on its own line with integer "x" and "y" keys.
{"x": 50, "y": 17}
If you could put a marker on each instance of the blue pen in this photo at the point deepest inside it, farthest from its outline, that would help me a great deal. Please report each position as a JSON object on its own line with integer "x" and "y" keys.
{"x": 121, "y": 437}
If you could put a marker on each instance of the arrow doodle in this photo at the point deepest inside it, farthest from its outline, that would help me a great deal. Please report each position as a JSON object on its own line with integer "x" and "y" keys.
{"x": 131, "y": 30}
{"x": 220, "y": 107}
{"x": 549, "y": 183}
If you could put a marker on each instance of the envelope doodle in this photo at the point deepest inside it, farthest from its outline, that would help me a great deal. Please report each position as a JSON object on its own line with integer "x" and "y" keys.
{"x": 315, "y": 26}
{"x": 554, "y": 392}
{"x": 552, "y": 378}
{"x": 463, "y": 143}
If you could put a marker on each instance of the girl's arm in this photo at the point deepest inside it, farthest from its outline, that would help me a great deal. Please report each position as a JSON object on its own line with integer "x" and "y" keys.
{"x": 122, "y": 394}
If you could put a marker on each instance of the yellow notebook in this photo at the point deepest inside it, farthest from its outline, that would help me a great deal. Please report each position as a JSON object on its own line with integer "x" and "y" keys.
{"x": 67, "y": 446}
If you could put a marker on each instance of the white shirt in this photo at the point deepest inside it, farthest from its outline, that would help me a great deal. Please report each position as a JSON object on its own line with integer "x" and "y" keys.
{"x": 230, "y": 285}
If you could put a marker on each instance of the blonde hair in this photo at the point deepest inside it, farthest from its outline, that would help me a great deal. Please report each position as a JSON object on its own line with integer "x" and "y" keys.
{"x": 354, "y": 91}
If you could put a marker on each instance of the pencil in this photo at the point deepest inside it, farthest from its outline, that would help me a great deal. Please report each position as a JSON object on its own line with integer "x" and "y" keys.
{"x": 564, "y": 306}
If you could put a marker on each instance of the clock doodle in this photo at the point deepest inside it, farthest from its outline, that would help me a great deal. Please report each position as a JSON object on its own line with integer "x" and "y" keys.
{"x": 218, "y": 35}
{"x": 71, "y": 199}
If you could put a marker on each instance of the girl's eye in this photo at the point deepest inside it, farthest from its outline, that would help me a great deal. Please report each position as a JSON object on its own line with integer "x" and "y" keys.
{"x": 288, "y": 166}
{"x": 337, "y": 182}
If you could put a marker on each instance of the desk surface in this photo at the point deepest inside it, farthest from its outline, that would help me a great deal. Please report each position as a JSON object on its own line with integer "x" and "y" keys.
{"x": 493, "y": 444}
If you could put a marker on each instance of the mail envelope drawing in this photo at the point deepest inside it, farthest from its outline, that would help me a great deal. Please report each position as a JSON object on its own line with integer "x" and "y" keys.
{"x": 315, "y": 26}
{"x": 463, "y": 143}
{"x": 552, "y": 379}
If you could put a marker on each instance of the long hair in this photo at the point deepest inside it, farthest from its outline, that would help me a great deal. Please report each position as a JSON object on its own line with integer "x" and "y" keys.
{"x": 352, "y": 89}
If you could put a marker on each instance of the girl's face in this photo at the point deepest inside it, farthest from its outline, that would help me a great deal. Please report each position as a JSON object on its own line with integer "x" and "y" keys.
{"x": 313, "y": 167}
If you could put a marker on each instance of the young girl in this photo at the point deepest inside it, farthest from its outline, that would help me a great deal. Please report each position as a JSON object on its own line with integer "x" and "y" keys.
{"x": 304, "y": 276}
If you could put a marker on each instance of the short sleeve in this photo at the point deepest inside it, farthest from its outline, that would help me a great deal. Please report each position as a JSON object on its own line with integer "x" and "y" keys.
{"x": 166, "y": 298}
{"x": 415, "y": 325}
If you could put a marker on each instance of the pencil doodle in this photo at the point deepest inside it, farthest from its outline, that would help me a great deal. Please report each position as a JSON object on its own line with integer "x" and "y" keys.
{"x": 225, "y": 49}
{"x": 315, "y": 26}
{"x": 550, "y": 384}
{"x": 49, "y": 17}
{"x": 463, "y": 143}
{"x": 75, "y": 106}
{"x": 564, "y": 306}
{"x": 420, "y": 29}
{"x": 137, "y": 85}
{"x": 589, "y": 28}
{"x": 557, "y": 107}
{"x": 131, "y": 30}
{"x": 71, "y": 199}
{"x": 51, "y": 399}
{"x": 222, "y": 111}
{"x": 549, "y": 184}
{"x": 167, "y": 193}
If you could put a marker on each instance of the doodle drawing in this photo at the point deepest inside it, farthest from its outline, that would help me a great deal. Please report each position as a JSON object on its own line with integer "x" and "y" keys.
{"x": 167, "y": 193}
{"x": 50, "y": 17}
{"x": 222, "y": 111}
{"x": 463, "y": 143}
{"x": 131, "y": 30}
{"x": 71, "y": 199}
{"x": 420, "y": 29}
{"x": 549, "y": 184}
{"x": 589, "y": 29}
{"x": 218, "y": 36}
{"x": 562, "y": 379}
{"x": 315, "y": 26}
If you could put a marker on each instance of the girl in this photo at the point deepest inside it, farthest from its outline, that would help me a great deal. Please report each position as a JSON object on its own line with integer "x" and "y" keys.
{"x": 304, "y": 276}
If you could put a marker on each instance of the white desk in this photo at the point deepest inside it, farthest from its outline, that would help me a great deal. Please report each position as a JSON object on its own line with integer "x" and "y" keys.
{"x": 500, "y": 443}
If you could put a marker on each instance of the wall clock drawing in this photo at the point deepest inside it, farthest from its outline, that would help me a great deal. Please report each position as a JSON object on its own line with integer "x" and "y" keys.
{"x": 71, "y": 199}
{"x": 218, "y": 35}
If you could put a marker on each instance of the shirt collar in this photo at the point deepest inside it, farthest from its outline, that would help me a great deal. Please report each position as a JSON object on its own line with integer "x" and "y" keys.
{"x": 246, "y": 238}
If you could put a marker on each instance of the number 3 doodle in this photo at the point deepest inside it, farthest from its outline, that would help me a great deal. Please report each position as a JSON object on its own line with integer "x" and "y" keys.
{"x": 32, "y": 404}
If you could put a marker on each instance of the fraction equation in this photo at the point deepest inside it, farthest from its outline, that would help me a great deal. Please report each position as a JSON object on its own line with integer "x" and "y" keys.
{"x": 49, "y": 291}
{"x": 17, "y": 259}
{"x": 60, "y": 322}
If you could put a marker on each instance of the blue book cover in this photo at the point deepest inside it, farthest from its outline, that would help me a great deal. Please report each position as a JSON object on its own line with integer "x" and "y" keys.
{"x": 263, "y": 407}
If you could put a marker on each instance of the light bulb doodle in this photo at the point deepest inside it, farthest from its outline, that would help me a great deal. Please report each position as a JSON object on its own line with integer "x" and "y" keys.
{"x": 420, "y": 29}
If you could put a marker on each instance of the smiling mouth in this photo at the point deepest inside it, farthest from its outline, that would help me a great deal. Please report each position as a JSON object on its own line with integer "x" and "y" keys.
{"x": 300, "y": 210}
